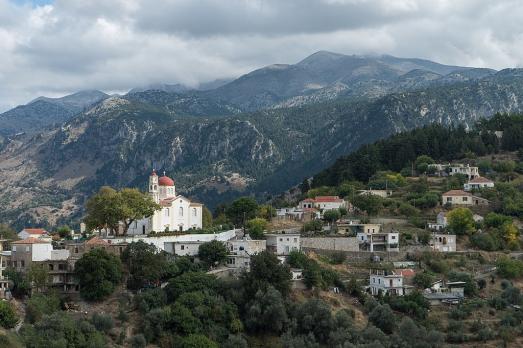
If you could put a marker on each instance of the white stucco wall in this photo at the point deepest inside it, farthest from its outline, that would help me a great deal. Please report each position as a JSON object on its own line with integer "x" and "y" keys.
{"x": 40, "y": 252}
{"x": 167, "y": 243}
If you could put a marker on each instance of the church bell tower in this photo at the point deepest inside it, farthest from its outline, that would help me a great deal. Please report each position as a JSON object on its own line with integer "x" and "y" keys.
{"x": 153, "y": 186}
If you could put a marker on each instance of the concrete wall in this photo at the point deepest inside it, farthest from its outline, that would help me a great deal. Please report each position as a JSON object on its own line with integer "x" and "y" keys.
{"x": 334, "y": 244}
{"x": 166, "y": 242}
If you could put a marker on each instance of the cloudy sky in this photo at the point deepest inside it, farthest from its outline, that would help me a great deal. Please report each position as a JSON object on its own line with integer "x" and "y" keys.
{"x": 54, "y": 47}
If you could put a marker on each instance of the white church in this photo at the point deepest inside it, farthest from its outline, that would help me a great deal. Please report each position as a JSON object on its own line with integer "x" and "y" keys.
{"x": 177, "y": 213}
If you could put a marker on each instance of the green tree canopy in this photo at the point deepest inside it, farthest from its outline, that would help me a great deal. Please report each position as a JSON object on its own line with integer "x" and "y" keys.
{"x": 213, "y": 252}
{"x": 108, "y": 207}
{"x": 266, "y": 270}
{"x": 242, "y": 210}
{"x": 460, "y": 221}
{"x": 98, "y": 273}
{"x": 145, "y": 263}
{"x": 255, "y": 227}
{"x": 206, "y": 217}
{"x": 331, "y": 215}
{"x": 266, "y": 312}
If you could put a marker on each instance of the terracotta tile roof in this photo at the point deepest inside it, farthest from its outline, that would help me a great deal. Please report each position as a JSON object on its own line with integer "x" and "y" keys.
{"x": 480, "y": 180}
{"x": 32, "y": 240}
{"x": 407, "y": 272}
{"x": 308, "y": 200}
{"x": 327, "y": 199}
{"x": 457, "y": 193}
{"x": 96, "y": 241}
{"x": 35, "y": 230}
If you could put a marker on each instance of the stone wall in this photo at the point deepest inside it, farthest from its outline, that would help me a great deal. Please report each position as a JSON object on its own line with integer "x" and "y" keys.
{"x": 332, "y": 243}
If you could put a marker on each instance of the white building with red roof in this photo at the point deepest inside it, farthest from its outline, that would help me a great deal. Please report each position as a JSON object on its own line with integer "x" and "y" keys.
{"x": 323, "y": 203}
{"x": 32, "y": 233}
{"x": 478, "y": 183}
{"x": 177, "y": 212}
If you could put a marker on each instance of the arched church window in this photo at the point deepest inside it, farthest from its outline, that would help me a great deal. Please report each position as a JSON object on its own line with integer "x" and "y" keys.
{"x": 194, "y": 211}
{"x": 167, "y": 212}
{"x": 181, "y": 211}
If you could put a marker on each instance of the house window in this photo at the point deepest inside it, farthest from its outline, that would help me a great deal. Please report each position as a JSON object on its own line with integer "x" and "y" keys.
{"x": 181, "y": 211}
{"x": 465, "y": 199}
{"x": 393, "y": 237}
{"x": 26, "y": 249}
{"x": 449, "y": 199}
{"x": 295, "y": 240}
{"x": 143, "y": 229}
{"x": 76, "y": 250}
{"x": 13, "y": 248}
{"x": 193, "y": 211}
{"x": 51, "y": 267}
{"x": 281, "y": 239}
{"x": 22, "y": 263}
{"x": 15, "y": 264}
{"x": 182, "y": 247}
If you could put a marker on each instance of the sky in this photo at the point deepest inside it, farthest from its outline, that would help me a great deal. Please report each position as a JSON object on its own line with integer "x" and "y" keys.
{"x": 56, "y": 47}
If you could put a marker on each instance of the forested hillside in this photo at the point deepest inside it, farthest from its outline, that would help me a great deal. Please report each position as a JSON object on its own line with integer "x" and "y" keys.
{"x": 442, "y": 143}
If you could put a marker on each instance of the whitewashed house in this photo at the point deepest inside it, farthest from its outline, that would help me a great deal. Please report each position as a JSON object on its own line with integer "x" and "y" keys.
{"x": 478, "y": 183}
{"x": 387, "y": 282}
{"x": 241, "y": 250}
{"x": 283, "y": 243}
{"x": 323, "y": 203}
{"x": 371, "y": 238}
{"x": 470, "y": 172}
{"x": 443, "y": 242}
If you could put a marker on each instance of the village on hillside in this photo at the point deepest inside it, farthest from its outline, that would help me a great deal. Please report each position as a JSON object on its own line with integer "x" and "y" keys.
{"x": 438, "y": 243}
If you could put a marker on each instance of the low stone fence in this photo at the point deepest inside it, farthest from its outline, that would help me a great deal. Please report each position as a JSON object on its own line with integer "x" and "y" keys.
{"x": 331, "y": 243}
{"x": 361, "y": 256}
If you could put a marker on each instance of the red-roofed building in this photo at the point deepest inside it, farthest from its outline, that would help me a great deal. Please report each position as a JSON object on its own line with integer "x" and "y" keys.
{"x": 32, "y": 233}
{"x": 176, "y": 213}
{"x": 459, "y": 197}
{"x": 323, "y": 203}
{"x": 406, "y": 272}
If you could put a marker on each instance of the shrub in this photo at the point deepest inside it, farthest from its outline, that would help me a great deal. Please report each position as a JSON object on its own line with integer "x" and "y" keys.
{"x": 423, "y": 280}
{"x": 138, "y": 341}
{"x": 8, "y": 317}
{"x": 39, "y": 305}
{"x": 338, "y": 258}
{"x": 509, "y": 268}
{"x": 102, "y": 322}
{"x": 383, "y": 318}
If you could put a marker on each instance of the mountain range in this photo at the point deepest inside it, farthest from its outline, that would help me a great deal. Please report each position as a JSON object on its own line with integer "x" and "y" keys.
{"x": 259, "y": 134}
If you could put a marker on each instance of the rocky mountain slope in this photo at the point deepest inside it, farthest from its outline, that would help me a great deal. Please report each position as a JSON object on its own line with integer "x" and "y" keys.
{"x": 326, "y": 75}
{"x": 214, "y": 151}
{"x": 44, "y": 112}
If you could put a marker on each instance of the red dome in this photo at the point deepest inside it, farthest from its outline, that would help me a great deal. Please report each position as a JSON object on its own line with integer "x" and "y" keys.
{"x": 165, "y": 181}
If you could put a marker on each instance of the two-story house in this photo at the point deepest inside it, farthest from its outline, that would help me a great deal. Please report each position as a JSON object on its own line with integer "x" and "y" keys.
{"x": 387, "y": 282}
{"x": 282, "y": 243}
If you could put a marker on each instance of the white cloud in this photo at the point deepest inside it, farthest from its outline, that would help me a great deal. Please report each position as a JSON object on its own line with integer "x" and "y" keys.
{"x": 116, "y": 45}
